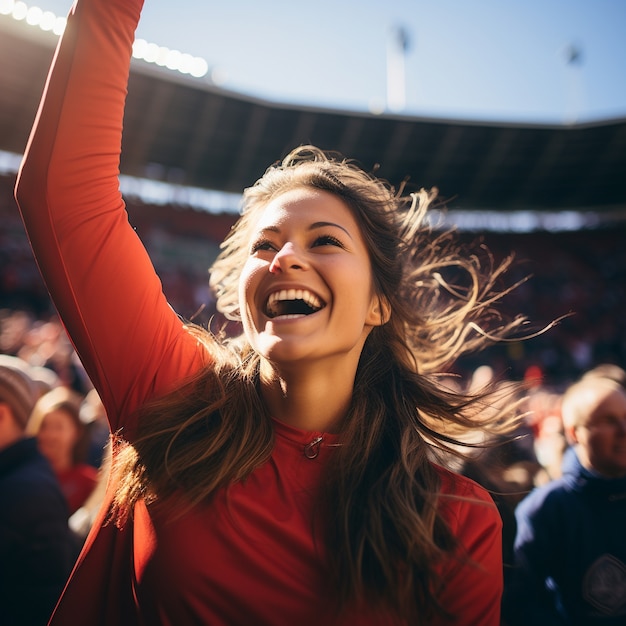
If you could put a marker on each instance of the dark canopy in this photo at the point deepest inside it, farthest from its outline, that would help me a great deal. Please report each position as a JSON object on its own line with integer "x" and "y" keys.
{"x": 188, "y": 131}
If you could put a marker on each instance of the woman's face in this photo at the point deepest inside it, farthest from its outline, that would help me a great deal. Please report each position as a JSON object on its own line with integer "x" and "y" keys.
{"x": 57, "y": 437}
{"x": 305, "y": 291}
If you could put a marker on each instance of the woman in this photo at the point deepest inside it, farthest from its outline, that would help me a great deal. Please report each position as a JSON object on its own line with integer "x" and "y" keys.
{"x": 287, "y": 476}
{"x": 56, "y": 424}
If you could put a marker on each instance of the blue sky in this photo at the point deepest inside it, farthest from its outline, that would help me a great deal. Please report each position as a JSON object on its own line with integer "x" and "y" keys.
{"x": 473, "y": 59}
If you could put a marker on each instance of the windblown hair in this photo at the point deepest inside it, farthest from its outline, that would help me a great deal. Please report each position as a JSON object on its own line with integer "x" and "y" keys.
{"x": 383, "y": 525}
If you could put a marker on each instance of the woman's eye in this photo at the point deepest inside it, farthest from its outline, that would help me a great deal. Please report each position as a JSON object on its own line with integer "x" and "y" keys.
{"x": 327, "y": 240}
{"x": 262, "y": 244}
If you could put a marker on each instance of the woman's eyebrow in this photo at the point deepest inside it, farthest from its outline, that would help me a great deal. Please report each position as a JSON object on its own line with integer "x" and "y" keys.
{"x": 326, "y": 224}
{"x": 314, "y": 226}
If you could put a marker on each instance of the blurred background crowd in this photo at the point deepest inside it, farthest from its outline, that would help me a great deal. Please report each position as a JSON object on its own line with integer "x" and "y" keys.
{"x": 579, "y": 276}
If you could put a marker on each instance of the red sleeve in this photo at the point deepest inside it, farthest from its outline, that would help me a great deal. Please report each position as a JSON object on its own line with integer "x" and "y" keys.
{"x": 473, "y": 585}
{"x": 102, "y": 282}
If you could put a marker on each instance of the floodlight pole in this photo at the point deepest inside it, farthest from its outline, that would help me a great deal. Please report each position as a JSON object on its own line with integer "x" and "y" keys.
{"x": 397, "y": 47}
{"x": 573, "y": 66}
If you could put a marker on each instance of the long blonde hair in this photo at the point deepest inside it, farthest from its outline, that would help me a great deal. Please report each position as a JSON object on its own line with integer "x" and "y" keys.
{"x": 382, "y": 521}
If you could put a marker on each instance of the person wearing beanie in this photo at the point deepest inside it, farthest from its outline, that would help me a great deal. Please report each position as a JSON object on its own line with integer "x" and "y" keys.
{"x": 37, "y": 548}
{"x": 17, "y": 388}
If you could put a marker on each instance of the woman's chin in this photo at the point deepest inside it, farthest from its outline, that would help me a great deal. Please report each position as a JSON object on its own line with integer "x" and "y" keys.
{"x": 277, "y": 349}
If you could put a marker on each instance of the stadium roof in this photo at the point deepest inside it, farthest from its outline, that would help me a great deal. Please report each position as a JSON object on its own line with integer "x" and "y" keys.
{"x": 185, "y": 130}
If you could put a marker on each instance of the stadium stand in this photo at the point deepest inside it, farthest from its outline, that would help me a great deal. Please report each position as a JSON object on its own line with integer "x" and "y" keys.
{"x": 208, "y": 141}
{"x": 581, "y": 272}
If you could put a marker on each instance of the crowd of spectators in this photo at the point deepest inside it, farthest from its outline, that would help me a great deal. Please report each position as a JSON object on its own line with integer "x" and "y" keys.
{"x": 577, "y": 273}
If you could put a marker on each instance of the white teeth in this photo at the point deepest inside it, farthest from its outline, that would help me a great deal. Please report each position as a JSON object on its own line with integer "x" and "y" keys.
{"x": 293, "y": 294}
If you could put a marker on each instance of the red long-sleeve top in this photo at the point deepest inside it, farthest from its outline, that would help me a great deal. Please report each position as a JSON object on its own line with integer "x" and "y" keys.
{"x": 251, "y": 556}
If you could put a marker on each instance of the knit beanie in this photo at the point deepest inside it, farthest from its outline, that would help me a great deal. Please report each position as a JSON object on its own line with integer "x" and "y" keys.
{"x": 17, "y": 388}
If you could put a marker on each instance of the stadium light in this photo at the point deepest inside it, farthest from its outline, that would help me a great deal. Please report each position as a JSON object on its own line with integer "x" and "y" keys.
{"x": 33, "y": 16}
{"x": 48, "y": 21}
{"x": 19, "y": 10}
{"x": 173, "y": 60}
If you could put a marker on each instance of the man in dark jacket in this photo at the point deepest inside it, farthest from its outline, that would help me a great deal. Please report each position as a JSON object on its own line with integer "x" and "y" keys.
{"x": 37, "y": 549}
{"x": 570, "y": 548}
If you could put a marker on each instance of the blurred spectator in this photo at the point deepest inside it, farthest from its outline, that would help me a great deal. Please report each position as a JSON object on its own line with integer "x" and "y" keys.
{"x": 46, "y": 344}
{"x": 83, "y": 519}
{"x": 607, "y": 371}
{"x": 14, "y": 325}
{"x": 56, "y": 423}
{"x": 93, "y": 416}
{"x": 543, "y": 415}
{"x": 507, "y": 466}
{"x": 37, "y": 549}
{"x": 508, "y": 471}
{"x": 610, "y": 371}
{"x": 570, "y": 548}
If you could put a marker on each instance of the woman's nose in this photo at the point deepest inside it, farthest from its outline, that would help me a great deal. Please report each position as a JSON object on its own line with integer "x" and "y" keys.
{"x": 288, "y": 257}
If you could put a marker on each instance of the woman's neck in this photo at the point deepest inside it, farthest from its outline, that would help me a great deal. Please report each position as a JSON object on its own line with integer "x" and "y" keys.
{"x": 316, "y": 399}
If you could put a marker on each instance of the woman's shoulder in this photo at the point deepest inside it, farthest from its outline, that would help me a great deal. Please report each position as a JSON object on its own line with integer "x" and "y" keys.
{"x": 462, "y": 499}
{"x": 455, "y": 484}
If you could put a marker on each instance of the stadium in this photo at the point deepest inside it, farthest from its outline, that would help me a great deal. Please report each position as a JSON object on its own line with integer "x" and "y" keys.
{"x": 552, "y": 194}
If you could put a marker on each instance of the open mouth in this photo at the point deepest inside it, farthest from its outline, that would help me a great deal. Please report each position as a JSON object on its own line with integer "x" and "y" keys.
{"x": 292, "y": 303}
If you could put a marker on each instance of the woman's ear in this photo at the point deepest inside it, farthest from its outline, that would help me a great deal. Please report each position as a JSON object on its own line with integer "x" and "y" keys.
{"x": 380, "y": 311}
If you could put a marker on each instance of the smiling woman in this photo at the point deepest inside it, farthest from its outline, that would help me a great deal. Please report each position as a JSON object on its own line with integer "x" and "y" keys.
{"x": 307, "y": 240}
{"x": 290, "y": 475}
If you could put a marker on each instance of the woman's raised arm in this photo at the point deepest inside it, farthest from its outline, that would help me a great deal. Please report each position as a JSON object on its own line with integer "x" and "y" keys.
{"x": 96, "y": 269}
